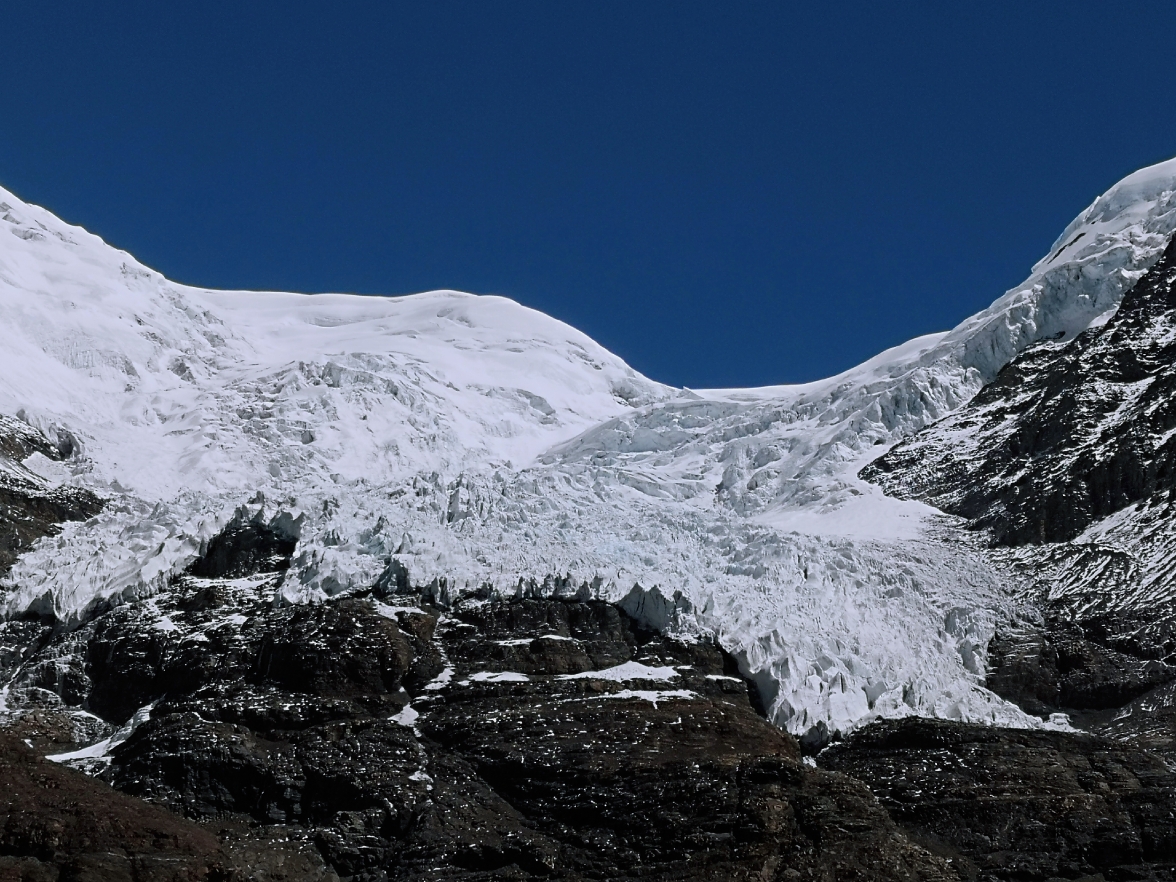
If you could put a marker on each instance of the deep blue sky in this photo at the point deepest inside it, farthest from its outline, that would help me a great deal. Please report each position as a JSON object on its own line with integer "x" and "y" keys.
{"x": 723, "y": 193}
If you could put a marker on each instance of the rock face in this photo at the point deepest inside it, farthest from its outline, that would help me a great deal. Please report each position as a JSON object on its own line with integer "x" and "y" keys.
{"x": 57, "y": 824}
{"x": 380, "y": 736}
{"x": 534, "y": 756}
{"x": 1067, "y": 461}
{"x": 1060, "y": 667}
{"x": 1005, "y": 804}
{"x": 1068, "y": 434}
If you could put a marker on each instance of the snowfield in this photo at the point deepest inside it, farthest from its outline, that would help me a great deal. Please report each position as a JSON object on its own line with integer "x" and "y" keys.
{"x": 455, "y": 442}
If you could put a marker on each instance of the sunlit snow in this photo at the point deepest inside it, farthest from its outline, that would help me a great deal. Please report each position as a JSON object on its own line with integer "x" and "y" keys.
{"x": 476, "y": 442}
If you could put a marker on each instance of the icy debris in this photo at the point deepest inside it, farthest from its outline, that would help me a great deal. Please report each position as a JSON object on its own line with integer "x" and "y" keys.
{"x": 1059, "y": 722}
{"x": 654, "y": 610}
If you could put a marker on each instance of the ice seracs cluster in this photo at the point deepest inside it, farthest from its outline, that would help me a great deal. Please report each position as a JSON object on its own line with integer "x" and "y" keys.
{"x": 454, "y": 443}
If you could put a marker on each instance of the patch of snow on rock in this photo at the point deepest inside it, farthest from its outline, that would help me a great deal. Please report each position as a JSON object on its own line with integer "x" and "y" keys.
{"x": 623, "y": 673}
{"x": 499, "y": 677}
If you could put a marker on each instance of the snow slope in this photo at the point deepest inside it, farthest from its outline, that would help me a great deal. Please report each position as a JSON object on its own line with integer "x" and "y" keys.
{"x": 472, "y": 441}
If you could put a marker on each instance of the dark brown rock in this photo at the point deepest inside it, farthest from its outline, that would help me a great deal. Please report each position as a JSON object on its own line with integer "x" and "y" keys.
{"x": 1058, "y": 668}
{"x": 56, "y": 824}
{"x": 1008, "y": 804}
{"x": 535, "y": 774}
{"x": 248, "y": 545}
{"x": 1068, "y": 433}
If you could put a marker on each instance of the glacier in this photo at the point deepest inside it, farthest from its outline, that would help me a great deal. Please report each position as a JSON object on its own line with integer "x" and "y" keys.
{"x": 453, "y": 443}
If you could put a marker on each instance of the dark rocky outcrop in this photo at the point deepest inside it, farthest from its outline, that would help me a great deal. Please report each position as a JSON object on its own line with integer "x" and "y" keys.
{"x": 508, "y": 758}
{"x": 1058, "y": 667}
{"x": 248, "y": 545}
{"x": 1005, "y": 804}
{"x": 536, "y": 738}
{"x": 519, "y": 738}
{"x": 57, "y": 824}
{"x": 380, "y": 736}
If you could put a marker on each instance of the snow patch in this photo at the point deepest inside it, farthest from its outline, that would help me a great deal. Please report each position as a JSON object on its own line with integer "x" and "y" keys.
{"x": 653, "y": 696}
{"x": 97, "y": 756}
{"x": 407, "y": 717}
{"x": 392, "y": 612}
{"x": 499, "y": 677}
{"x": 441, "y": 680}
{"x": 625, "y": 672}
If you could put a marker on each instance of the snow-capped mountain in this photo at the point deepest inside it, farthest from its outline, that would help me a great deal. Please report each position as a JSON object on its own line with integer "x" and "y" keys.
{"x": 462, "y": 444}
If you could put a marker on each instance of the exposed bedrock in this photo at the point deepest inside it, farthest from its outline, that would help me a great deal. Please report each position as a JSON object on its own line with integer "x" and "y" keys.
{"x": 1060, "y": 667}
{"x": 379, "y": 736}
{"x": 514, "y": 739}
{"x": 249, "y": 545}
{"x": 1067, "y": 461}
{"x": 1068, "y": 433}
{"x": 524, "y": 738}
{"x": 1006, "y": 804}
{"x": 56, "y": 824}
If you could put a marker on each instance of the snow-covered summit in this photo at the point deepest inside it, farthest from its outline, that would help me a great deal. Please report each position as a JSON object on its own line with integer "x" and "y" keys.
{"x": 184, "y": 388}
{"x": 474, "y": 441}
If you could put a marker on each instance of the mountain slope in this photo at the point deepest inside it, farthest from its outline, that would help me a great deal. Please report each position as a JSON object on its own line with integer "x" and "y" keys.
{"x": 456, "y": 442}
{"x": 1067, "y": 463}
{"x": 1067, "y": 435}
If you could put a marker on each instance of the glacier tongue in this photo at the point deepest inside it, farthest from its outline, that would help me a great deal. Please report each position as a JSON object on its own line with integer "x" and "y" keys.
{"x": 462, "y": 441}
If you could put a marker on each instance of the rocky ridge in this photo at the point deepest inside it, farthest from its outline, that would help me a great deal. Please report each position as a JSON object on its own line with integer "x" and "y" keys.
{"x": 1067, "y": 462}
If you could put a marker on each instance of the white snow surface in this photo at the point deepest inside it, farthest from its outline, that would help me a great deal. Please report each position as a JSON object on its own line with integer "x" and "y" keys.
{"x": 624, "y": 673}
{"x": 477, "y": 442}
{"x": 499, "y": 677}
{"x": 98, "y": 755}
